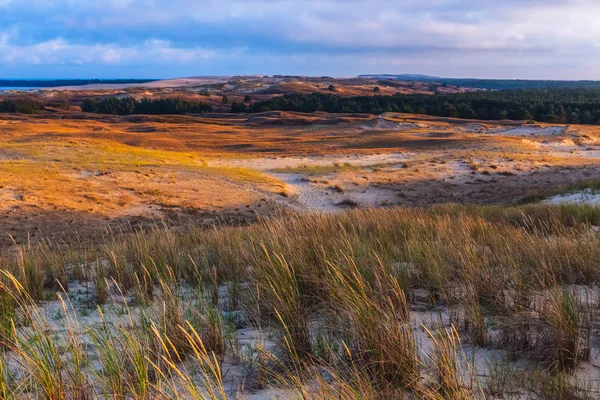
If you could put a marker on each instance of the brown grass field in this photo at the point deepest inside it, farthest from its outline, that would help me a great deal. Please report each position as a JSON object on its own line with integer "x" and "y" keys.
{"x": 84, "y": 173}
{"x": 287, "y": 255}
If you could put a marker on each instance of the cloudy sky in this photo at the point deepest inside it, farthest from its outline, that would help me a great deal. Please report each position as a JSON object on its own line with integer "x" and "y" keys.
{"x": 536, "y": 39}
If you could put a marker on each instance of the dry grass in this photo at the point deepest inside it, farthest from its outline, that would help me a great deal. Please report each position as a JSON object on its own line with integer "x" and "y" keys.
{"x": 338, "y": 306}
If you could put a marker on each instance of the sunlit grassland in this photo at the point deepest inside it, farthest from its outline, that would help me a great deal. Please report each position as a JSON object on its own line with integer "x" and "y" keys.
{"x": 88, "y": 175}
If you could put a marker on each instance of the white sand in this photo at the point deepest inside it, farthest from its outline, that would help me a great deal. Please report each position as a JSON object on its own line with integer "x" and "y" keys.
{"x": 586, "y": 196}
{"x": 532, "y": 130}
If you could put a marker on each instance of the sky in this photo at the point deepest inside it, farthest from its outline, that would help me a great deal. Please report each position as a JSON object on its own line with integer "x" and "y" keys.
{"x": 529, "y": 39}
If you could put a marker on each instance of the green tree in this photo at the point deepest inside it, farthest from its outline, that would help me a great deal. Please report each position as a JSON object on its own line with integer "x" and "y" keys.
{"x": 573, "y": 117}
{"x": 523, "y": 114}
{"x": 482, "y": 113}
{"x": 238, "y": 108}
{"x": 449, "y": 110}
{"x": 562, "y": 114}
{"x": 587, "y": 117}
{"x": 465, "y": 111}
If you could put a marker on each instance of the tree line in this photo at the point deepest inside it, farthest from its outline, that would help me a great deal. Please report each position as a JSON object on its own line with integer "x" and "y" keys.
{"x": 573, "y": 106}
{"x": 22, "y": 106}
{"x": 129, "y": 105}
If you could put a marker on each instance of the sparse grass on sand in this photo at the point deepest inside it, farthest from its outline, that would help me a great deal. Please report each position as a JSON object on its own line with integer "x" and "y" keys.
{"x": 535, "y": 196}
{"x": 442, "y": 303}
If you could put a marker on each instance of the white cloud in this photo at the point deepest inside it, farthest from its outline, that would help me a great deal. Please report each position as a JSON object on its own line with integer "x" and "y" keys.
{"x": 60, "y": 51}
{"x": 507, "y": 37}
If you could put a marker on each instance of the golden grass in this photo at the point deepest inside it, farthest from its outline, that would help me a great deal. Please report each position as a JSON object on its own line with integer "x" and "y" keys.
{"x": 114, "y": 179}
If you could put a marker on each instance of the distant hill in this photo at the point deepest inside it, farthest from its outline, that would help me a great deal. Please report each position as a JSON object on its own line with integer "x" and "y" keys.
{"x": 490, "y": 84}
{"x": 401, "y": 77}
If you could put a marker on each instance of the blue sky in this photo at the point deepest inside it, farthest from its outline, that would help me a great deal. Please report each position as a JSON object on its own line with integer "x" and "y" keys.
{"x": 535, "y": 39}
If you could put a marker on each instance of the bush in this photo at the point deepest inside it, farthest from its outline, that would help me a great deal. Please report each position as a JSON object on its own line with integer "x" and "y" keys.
{"x": 238, "y": 108}
{"x": 21, "y": 106}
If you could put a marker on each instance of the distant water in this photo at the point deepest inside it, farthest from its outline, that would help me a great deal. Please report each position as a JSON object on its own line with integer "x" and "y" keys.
{"x": 4, "y": 88}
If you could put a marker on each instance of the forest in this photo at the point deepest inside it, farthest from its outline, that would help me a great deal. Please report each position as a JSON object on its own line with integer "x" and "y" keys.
{"x": 129, "y": 105}
{"x": 572, "y": 106}
{"x": 490, "y": 84}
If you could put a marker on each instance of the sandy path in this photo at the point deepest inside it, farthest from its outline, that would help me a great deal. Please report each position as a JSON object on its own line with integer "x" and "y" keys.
{"x": 303, "y": 196}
